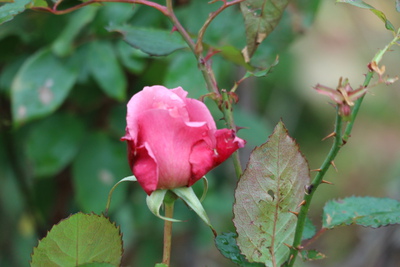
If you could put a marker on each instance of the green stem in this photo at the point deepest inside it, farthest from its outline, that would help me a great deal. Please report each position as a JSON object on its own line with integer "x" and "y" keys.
{"x": 227, "y": 109}
{"x": 206, "y": 69}
{"x": 169, "y": 212}
{"x": 340, "y": 140}
{"x": 337, "y": 144}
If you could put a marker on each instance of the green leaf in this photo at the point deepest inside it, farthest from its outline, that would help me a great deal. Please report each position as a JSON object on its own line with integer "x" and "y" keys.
{"x": 98, "y": 166}
{"x": 309, "y": 255}
{"x": 9, "y": 10}
{"x": 260, "y": 17}
{"x": 40, "y": 86}
{"x": 226, "y": 243}
{"x": 133, "y": 59}
{"x": 61, "y": 135}
{"x": 366, "y": 211}
{"x": 63, "y": 45}
{"x": 106, "y": 70}
{"x": 379, "y": 14}
{"x": 309, "y": 229}
{"x": 271, "y": 186}
{"x": 97, "y": 264}
{"x": 80, "y": 239}
{"x": 154, "y": 42}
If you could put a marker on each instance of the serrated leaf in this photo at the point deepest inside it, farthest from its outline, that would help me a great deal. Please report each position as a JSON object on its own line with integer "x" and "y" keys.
{"x": 61, "y": 135}
{"x": 40, "y": 86}
{"x": 309, "y": 255}
{"x": 379, "y": 14}
{"x": 366, "y": 211}
{"x": 271, "y": 186}
{"x": 226, "y": 243}
{"x": 78, "y": 240}
{"x": 9, "y": 10}
{"x": 261, "y": 18}
{"x": 154, "y": 42}
{"x": 106, "y": 70}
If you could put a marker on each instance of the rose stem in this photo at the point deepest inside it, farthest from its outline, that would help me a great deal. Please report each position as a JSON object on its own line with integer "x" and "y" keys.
{"x": 340, "y": 140}
{"x": 169, "y": 212}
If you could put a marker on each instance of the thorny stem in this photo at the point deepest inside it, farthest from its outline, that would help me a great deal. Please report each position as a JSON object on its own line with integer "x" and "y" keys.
{"x": 204, "y": 65}
{"x": 228, "y": 114}
{"x": 340, "y": 140}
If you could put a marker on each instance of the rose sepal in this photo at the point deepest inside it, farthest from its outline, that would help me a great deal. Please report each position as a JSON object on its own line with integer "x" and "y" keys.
{"x": 189, "y": 197}
{"x": 131, "y": 178}
{"x": 156, "y": 199}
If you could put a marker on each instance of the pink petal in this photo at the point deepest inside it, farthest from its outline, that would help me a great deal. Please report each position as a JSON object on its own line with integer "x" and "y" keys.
{"x": 202, "y": 160}
{"x": 227, "y": 143}
{"x": 145, "y": 169}
{"x": 154, "y": 97}
{"x": 198, "y": 111}
{"x": 171, "y": 140}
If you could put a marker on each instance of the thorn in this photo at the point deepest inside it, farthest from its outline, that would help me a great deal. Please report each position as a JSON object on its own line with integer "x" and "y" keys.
{"x": 299, "y": 247}
{"x": 238, "y": 128}
{"x": 302, "y": 203}
{"x": 329, "y": 136}
{"x": 334, "y": 166}
{"x": 293, "y": 212}
{"x": 316, "y": 170}
{"x": 289, "y": 246}
{"x": 174, "y": 29}
{"x": 325, "y": 182}
{"x": 291, "y": 257}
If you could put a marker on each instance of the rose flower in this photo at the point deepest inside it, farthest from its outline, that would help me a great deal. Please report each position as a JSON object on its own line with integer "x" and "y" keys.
{"x": 173, "y": 140}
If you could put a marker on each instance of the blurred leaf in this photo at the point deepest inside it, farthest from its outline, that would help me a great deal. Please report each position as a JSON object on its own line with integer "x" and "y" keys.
{"x": 309, "y": 255}
{"x": 8, "y": 72}
{"x": 271, "y": 186}
{"x": 294, "y": 22}
{"x": 183, "y": 71}
{"x": 234, "y": 55}
{"x": 80, "y": 239}
{"x": 97, "y": 264}
{"x": 106, "y": 70}
{"x": 63, "y": 45}
{"x": 114, "y": 14}
{"x": 398, "y": 5}
{"x": 154, "y": 42}
{"x": 9, "y": 10}
{"x": 40, "y": 86}
{"x": 380, "y": 14}
{"x": 261, "y": 18}
{"x": 309, "y": 229}
{"x": 226, "y": 243}
{"x": 264, "y": 72}
{"x": 61, "y": 135}
{"x": 100, "y": 164}
{"x": 366, "y": 211}
{"x": 133, "y": 59}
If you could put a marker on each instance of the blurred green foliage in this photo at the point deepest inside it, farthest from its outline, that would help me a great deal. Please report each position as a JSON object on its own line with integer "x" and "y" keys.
{"x": 59, "y": 144}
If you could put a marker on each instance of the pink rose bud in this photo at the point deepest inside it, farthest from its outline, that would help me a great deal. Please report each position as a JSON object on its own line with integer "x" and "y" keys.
{"x": 172, "y": 139}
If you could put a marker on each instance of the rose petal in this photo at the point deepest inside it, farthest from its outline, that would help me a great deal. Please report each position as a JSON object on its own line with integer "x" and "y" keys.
{"x": 171, "y": 140}
{"x": 145, "y": 169}
{"x": 154, "y": 97}
{"x": 202, "y": 160}
{"x": 227, "y": 143}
